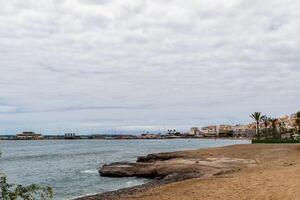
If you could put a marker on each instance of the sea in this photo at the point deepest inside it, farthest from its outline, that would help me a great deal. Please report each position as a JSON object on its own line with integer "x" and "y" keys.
{"x": 71, "y": 167}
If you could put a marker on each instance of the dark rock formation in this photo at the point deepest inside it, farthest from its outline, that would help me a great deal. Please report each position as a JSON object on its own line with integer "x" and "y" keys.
{"x": 146, "y": 170}
{"x": 158, "y": 157}
{"x": 175, "y": 165}
{"x": 156, "y": 169}
{"x": 125, "y": 169}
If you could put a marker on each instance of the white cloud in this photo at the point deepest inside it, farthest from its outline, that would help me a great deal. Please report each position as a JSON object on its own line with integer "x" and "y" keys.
{"x": 147, "y": 62}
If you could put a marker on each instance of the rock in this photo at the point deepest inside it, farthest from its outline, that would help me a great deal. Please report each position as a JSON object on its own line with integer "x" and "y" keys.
{"x": 159, "y": 169}
{"x": 173, "y": 166}
{"x": 126, "y": 169}
{"x": 157, "y": 157}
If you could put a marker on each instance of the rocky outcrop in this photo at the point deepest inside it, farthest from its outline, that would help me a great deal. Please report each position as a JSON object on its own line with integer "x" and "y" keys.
{"x": 164, "y": 165}
{"x": 158, "y": 157}
{"x": 125, "y": 169}
{"x": 148, "y": 170}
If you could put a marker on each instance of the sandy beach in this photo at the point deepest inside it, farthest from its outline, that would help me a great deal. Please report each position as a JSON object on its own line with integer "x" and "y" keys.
{"x": 254, "y": 171}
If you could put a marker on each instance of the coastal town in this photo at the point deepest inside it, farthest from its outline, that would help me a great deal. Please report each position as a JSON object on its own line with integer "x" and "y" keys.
{"x": 285, "y": 126}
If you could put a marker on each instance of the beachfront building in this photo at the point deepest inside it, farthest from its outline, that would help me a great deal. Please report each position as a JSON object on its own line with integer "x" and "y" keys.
{"x": 248, "y": 130}
{"x": 225, "y": 130}
{"x": 288, "y": 122}
{"x": 195, "y": 131}
{"x": 28, "y": 135}
{"x": 209, "y": 131}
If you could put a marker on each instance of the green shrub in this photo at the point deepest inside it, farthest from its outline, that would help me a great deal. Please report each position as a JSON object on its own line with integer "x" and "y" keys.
{"x": 31, "y": 192}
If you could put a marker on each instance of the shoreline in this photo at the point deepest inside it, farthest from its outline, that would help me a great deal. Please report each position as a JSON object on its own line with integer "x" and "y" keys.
{"x": 119, "y": 193}
{"x": 185, "y": 138}
{"x": 245, "y": 159}
{"x": 116, "y": 194}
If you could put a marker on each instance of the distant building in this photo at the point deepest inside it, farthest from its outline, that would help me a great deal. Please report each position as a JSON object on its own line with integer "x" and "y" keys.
{"x": 7, "y": 137}
{"x": 244, "y": 130}
{"x": 54, "y": 137}
{"x": 123, "y": 137}
{"x": 225, "y": 130}
{"x": 173, "y": 133}
{"x": 70, "y": 136}
{"x": 149, "y": 136}
{"x": 195, "y": 131}
{"x": 29, "y": 136}
{"x": 97, "y": 136}
{"x": 287, "y": 122}
{"x": 209, "y": 131}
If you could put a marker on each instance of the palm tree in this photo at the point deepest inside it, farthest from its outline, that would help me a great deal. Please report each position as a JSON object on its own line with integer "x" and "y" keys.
{"x": 266, "y": 122}
{"x": 257, "y": 117}
{"x": 265, "y": 119}
{"x": 298, "y": 121}
{"x": 274, "y": 125}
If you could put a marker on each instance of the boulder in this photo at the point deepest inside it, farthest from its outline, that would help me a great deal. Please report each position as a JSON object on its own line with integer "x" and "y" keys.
{"x": 125, "y": 169}
{"x": 158, "y": 157}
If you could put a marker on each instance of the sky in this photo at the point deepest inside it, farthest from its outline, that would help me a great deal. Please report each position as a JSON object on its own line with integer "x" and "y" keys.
{"x": 112, "y": 65}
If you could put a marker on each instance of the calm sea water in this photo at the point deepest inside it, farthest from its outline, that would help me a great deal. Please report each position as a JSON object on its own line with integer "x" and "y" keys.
{"x": 70, "y": 167}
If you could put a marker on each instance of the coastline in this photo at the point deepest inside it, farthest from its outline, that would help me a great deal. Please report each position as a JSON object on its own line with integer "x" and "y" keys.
{"x": 281, "y": 159}
{"x": 118, "y": 194}
{"x": 112, "y": 139}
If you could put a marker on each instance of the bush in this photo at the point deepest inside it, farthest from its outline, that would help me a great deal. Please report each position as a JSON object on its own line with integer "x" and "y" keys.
{"x": 31, "y": 192}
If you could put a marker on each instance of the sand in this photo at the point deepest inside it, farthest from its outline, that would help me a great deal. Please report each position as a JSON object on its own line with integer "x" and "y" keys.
{"x": 251, "y": 171}
{"x": 275, "y": 176}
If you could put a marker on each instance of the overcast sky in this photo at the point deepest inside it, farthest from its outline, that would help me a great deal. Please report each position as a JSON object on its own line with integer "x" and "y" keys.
{"x": 98, "y": 65}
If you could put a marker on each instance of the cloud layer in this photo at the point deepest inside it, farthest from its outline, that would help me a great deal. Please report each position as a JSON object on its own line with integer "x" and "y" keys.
{"x": 104, "y": 64}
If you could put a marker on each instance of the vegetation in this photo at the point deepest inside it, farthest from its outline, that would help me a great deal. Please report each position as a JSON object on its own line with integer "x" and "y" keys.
{"x": 31, "y": 192}
{"x": 265, "y": 119}
{"x": 257, "y": 117}
{"x": 273, "y": 122}
{"x": 275, "y": 130}
{"x": 298, "y": 122}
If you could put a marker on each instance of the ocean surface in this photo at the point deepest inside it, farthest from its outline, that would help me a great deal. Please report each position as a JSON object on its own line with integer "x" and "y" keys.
{"x": 70, "y": 167}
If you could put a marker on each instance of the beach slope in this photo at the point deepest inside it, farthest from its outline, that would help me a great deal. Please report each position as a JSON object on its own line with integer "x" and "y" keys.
{"x": 250, "y": 171}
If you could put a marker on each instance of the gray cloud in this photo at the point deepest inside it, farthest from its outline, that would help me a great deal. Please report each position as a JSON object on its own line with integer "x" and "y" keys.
{"x": 13, "y": 110}
{"x": 146, "y": 63}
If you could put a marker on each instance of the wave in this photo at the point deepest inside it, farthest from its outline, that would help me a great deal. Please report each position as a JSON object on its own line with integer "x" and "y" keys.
{"x": 89, "y": 171}
{"x": 134, "y": 183}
